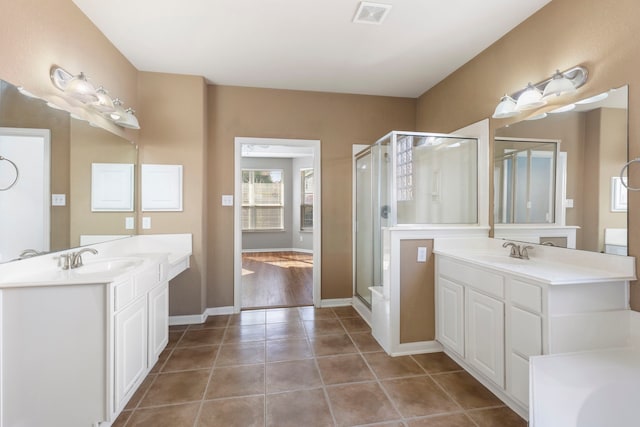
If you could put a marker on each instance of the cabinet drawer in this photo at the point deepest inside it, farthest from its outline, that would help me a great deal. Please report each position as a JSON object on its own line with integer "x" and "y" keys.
{"x": 485, "y": 281}
{"x": 526, "y": 295}
{"x": 124, "y": 293}
{"x": 526, "y": 332}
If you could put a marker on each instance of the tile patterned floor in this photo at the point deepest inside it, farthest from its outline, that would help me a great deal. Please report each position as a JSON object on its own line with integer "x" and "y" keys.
{"x": 304, "y": 367}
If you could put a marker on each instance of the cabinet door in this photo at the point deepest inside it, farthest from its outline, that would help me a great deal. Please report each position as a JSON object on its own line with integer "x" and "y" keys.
{"x": 485, "y": 335}
{"x": 518, "y": 386}
{"x": 158, "y": 321}
{"x": 450, "y": 320}
{"x": 526, "y": 340}
{"x": 130, "y": 349}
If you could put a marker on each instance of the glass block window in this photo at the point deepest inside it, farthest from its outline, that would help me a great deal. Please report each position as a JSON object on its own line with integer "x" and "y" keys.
{"x": 404, "y": 168}
{"x": 262, "y": 199}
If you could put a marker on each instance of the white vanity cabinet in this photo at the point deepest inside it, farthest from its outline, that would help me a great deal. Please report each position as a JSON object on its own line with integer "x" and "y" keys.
{"x": 131, "y": 357}
{"x": 80, "y": 350}
{"x": 485, "y": 335}
{"x": 450, "y": 315}
{"x": 470, "y": 316}
{"x": 492, "y": 320}
{"x": 141, "y": 329}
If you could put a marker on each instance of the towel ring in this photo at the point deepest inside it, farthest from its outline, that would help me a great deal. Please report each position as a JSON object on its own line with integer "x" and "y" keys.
{"x": 17, "y": 174}
{"x": 626, "y": 165}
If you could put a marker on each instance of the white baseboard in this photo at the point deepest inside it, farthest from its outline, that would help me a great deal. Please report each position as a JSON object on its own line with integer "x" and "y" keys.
{"x": 252, "y": 251}
{"x": 194, "y": 319}
{"x": 217, "y": 311}
{"x": 191, "y": 319}
{"x": 337, "y": 302}
{"x": 304, "y": 251}
{"x": 417, "y": 348}
{"x": 362, "y": 309}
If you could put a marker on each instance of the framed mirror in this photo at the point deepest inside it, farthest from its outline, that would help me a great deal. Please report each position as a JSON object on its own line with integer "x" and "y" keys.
{"x": 49, "y": 207}
{"x": 569, "y": 198}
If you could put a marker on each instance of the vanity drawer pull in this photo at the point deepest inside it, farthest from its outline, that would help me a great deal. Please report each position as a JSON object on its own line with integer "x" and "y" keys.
{"x": 124, "y": 293}
{"x": 526, "y": 296}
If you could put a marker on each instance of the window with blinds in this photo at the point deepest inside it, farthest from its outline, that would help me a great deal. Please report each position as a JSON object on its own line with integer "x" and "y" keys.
{"x": 262, "y": 199}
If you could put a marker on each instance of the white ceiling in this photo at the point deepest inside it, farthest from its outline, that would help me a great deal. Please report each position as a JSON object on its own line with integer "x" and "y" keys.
{"x": 307, "y": 44}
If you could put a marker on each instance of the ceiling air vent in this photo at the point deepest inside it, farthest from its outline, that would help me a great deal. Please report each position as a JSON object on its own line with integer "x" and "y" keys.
{"x": 371, "y": 13}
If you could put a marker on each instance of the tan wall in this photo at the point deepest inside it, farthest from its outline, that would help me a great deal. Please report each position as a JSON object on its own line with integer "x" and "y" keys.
{"x": 417, "y": 292}
{"x": 36, "y": 34}
{"x": 338, "y": 121}
{"x": 600, "y": 34}
{"x": 173, "y": 109}
{"x": 94, "y": 145}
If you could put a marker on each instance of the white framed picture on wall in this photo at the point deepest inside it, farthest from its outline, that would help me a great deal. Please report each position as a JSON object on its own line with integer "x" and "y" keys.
{"x": 161, "y": 188}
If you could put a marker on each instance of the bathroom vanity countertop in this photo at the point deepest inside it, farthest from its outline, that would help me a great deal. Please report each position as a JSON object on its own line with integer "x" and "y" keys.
{"x": 85, "y": 275}
{"x": 542, "y": 270}
{"x": 127, "y": 256}
{"x": 586, "y": 389}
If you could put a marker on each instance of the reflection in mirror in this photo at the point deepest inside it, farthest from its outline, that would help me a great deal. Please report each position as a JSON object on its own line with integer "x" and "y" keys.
{"x": 592, "y": 148}
{"x": 62, "y": 202}
{"x": 525, "y": 181}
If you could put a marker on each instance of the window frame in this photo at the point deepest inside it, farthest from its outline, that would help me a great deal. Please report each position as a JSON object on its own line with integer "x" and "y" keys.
{"x": 253, "y": 207}
{"x": 306, "y": 209}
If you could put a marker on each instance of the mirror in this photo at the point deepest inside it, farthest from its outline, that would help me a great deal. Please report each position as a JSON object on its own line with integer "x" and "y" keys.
{"x": 53, "y": 186}
{"x": 556, "y": 176}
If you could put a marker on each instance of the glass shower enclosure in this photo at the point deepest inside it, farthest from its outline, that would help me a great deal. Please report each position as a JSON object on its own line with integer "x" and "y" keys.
{"x": 410, "y": 179}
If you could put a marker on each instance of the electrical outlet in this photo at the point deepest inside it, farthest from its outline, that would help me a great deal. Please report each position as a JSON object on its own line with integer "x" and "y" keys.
{"x": 227, "y": 200}
{"x": 58, "y": 199}
{"x": 128, "y": 223}
{"x": 146, "y": 222}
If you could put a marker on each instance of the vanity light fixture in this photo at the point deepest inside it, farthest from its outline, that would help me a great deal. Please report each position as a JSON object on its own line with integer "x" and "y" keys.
{"x": 129, "y": 119}
{"x": 506, "y": 108}
{"x": 559, "y": 85}
{"x": 80, "y": 88}
{"x": 104, "y": 103}
{"x": 118, "y": 110}
{"x": 530, "y": 99}
{"x": 536, "y": 95}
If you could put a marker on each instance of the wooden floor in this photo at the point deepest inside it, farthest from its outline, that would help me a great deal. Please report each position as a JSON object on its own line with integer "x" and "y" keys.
{"x": 277, "y": 279}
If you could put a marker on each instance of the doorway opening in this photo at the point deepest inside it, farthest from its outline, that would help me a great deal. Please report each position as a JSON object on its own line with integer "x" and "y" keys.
{"x": 276, "y": 223}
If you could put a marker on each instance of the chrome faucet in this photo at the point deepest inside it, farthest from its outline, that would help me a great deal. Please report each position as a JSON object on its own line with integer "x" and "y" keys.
{"x": 28, "y": 253}
{"x": 516, "y": 251}
{"x": 73, "y": 259}
{"x": 524, "y": 252}
{"x": 76, "y": 257}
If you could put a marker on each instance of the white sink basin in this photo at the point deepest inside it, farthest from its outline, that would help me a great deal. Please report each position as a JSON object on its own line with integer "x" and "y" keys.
{"x": 109, "y": 265}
